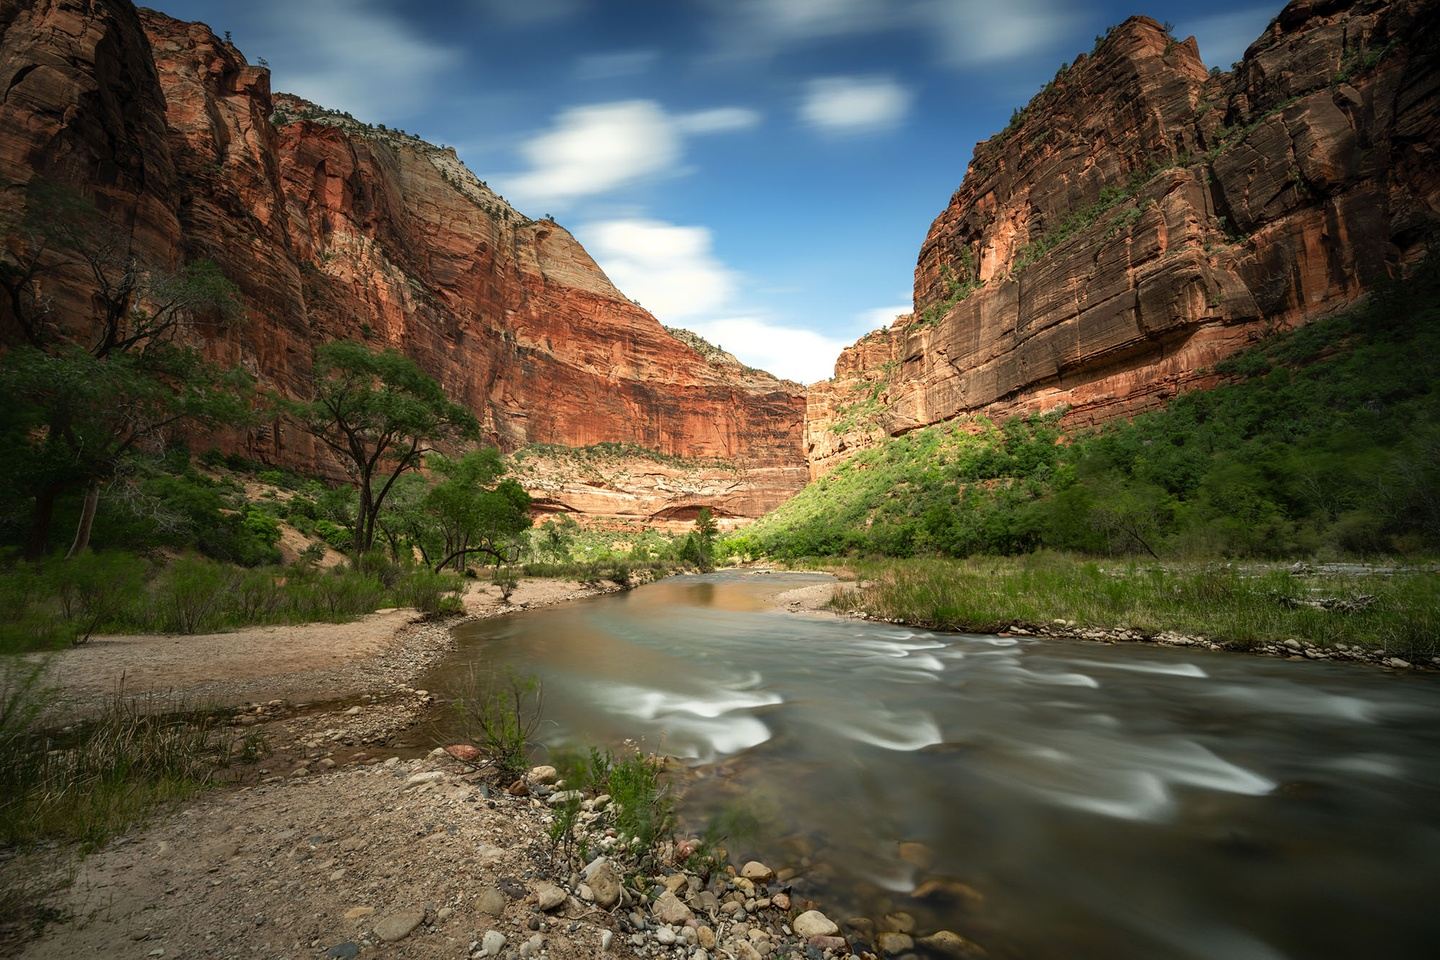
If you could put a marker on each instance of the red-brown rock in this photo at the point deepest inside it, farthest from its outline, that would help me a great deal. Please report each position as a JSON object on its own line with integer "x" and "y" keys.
{"x": 1142, "y": 219}
{"x": 334, "y": 229}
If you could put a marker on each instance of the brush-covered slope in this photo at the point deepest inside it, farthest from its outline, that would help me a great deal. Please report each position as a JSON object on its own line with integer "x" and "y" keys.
{"x": 335, "y": 229}
{"x": 1143, "y": 218}
{"x": 1324, "y": 440}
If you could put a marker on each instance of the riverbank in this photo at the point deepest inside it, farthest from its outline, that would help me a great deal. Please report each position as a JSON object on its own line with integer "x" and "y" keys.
{"x": 1384, "y": 616}
{"x": 334, "y": 844}
{"x": 299, "y": 664}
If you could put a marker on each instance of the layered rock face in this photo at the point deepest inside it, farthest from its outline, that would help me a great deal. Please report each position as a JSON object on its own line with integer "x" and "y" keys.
{"x": 334, "y": 229}
{"x": 1143, "y": 218}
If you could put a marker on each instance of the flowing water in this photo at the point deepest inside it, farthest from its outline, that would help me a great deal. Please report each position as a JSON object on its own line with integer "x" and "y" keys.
{"x": 1045, "y": 798}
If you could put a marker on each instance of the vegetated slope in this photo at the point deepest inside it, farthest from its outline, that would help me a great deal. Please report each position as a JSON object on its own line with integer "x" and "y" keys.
{"x": 1325, "y": 439}
{"x": 337, "y": 229}
{"x": 1142, "y": 218}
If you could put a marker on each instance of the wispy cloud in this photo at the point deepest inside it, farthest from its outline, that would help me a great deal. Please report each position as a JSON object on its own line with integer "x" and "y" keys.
{"x": 851, "y": 105}
{"x": 719, "y": 120}
{"x": 594, "y": 149}
{"x": 966, "y": 32}
{"x": 354, "y": 56}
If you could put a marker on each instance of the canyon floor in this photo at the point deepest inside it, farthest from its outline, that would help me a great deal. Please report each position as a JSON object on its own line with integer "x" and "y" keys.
{"x": 353, "y": 835}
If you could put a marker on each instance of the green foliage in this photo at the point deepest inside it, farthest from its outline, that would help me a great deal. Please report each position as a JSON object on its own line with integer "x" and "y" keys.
{"x": 1326, "y": 442}
{"x": 958, "y": 286}
{"x": 380, "y": 415}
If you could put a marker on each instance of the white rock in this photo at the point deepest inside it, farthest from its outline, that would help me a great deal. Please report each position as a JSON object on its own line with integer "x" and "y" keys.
{"x": 492, "y": 943}
{"x": 420, "y": 779}
{"x": 813, "y": 923}
{"x": 544, "y": 774}
{"x": 606, "y": 936}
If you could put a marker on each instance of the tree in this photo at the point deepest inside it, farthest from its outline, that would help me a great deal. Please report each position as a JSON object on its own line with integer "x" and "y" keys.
{"x": 699, "y": 545}
{"x": 76, "y": 437}
{"x": 380, "y": 415}
{"x": 71, "y": 419}
{"x": 468, "y": 509}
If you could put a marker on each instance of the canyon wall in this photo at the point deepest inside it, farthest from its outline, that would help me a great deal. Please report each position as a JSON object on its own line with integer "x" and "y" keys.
{"x": 334, "y": 229}
{"x": 1143, "y": 218}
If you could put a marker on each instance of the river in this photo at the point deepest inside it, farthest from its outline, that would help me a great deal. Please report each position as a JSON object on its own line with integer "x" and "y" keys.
{"x": 1044, "y": 798}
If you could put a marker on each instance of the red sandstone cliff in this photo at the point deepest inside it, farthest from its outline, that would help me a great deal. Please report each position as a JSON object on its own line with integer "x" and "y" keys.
{"x": 334, "y": 229}
{"x": 1142, "y": 218}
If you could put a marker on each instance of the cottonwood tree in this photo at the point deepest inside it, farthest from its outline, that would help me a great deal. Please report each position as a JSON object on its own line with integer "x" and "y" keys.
{"x": 380, "y": 415}
{"x": 89, "y": 391}
{"x": 71, "y": 420}
{"x": 464, "y": 508}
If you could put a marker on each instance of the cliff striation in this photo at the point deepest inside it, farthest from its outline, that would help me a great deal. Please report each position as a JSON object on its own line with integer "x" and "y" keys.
{"x": 1142, "y": 218}
{"x": 336, "y": 229}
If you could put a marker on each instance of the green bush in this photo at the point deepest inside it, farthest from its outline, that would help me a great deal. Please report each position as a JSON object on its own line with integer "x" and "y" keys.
{"x": 191, "y": 595}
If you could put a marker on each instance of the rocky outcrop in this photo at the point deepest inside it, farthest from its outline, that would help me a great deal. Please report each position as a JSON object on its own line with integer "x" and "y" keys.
{"x": 336, "y": 229}
{"x": 1143, "y": 218}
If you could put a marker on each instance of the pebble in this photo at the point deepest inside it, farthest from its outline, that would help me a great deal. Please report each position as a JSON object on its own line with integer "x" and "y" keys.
{"x": 669, "y": 909}
{"x": 344, "y": 951}
{"x": 813, "y": 923}
{"x": 893, "y": 943}
{"x": 548, "y": 896}
{"x": 544, "y": 774}
{"x": 532, "y": 946}
{"x": 492, "y": 943}
{"x": 757, "y": 871}
{"x": 358, "y": 913}
{"x": 606, "y": 937}
{"x": 665, "y": 935}
{"x": 420, "y": 779}
{"x": 949, "y": 944}
{"x": 398, "y": 925}
{"x": 490, "y": 902}
{"x": 604, "y": 882}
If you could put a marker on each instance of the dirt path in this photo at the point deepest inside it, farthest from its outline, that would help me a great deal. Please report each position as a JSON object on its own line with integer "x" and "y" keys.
{"x": 298, "y": 663}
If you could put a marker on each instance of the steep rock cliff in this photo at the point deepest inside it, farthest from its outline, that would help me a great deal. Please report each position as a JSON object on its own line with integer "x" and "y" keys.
{"x": 1143, "y": 218}
{"x": 336, "y": 229}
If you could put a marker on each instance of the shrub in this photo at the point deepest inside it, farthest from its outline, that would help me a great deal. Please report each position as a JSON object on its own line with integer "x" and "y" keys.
{"x": 191, "y": 594}
{"x": 500, "y": 715}
{"x": 95, "y": 589}
{"x": 428, "y": 591}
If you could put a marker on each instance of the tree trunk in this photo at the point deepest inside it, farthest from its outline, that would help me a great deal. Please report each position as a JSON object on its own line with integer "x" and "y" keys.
{"x": 39, "y": 536}
{"x": 87, "y": 520}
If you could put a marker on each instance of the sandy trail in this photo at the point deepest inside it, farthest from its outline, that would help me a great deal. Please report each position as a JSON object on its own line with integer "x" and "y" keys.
{"x": 299, "y": 663}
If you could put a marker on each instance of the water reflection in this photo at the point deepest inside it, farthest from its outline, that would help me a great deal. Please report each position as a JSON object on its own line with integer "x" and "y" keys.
{"x": 1044, "y": 798}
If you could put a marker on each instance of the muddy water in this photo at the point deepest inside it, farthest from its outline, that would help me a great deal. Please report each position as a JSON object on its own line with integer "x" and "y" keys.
{"x": 1045, "y": 798}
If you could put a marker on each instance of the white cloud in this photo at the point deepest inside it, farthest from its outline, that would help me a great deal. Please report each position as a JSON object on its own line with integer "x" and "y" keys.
{"x": 849, "y": 105}
{"x": 670, "y": 269}
{"x": 674, "y": 273}
{"x": 352, "y": 56}
{"x": 789, "y": 352}
{"x": 1223, "y": 37}
{"x": 981, "y": 33}
{"x": 718, "y": 120}
{"x": 878, "y": 317}
{"x": 619, "y": 63}
{"x": 594, "y": 149}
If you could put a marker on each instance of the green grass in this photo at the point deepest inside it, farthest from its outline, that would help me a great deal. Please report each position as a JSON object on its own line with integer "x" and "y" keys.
{"x": 95, "y": 781}
{"x": 1238, "y": 606}
{"x": 60, "y": 603}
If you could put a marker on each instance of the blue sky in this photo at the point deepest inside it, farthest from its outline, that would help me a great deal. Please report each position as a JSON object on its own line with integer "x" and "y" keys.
{"x": 760, "y": 171}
